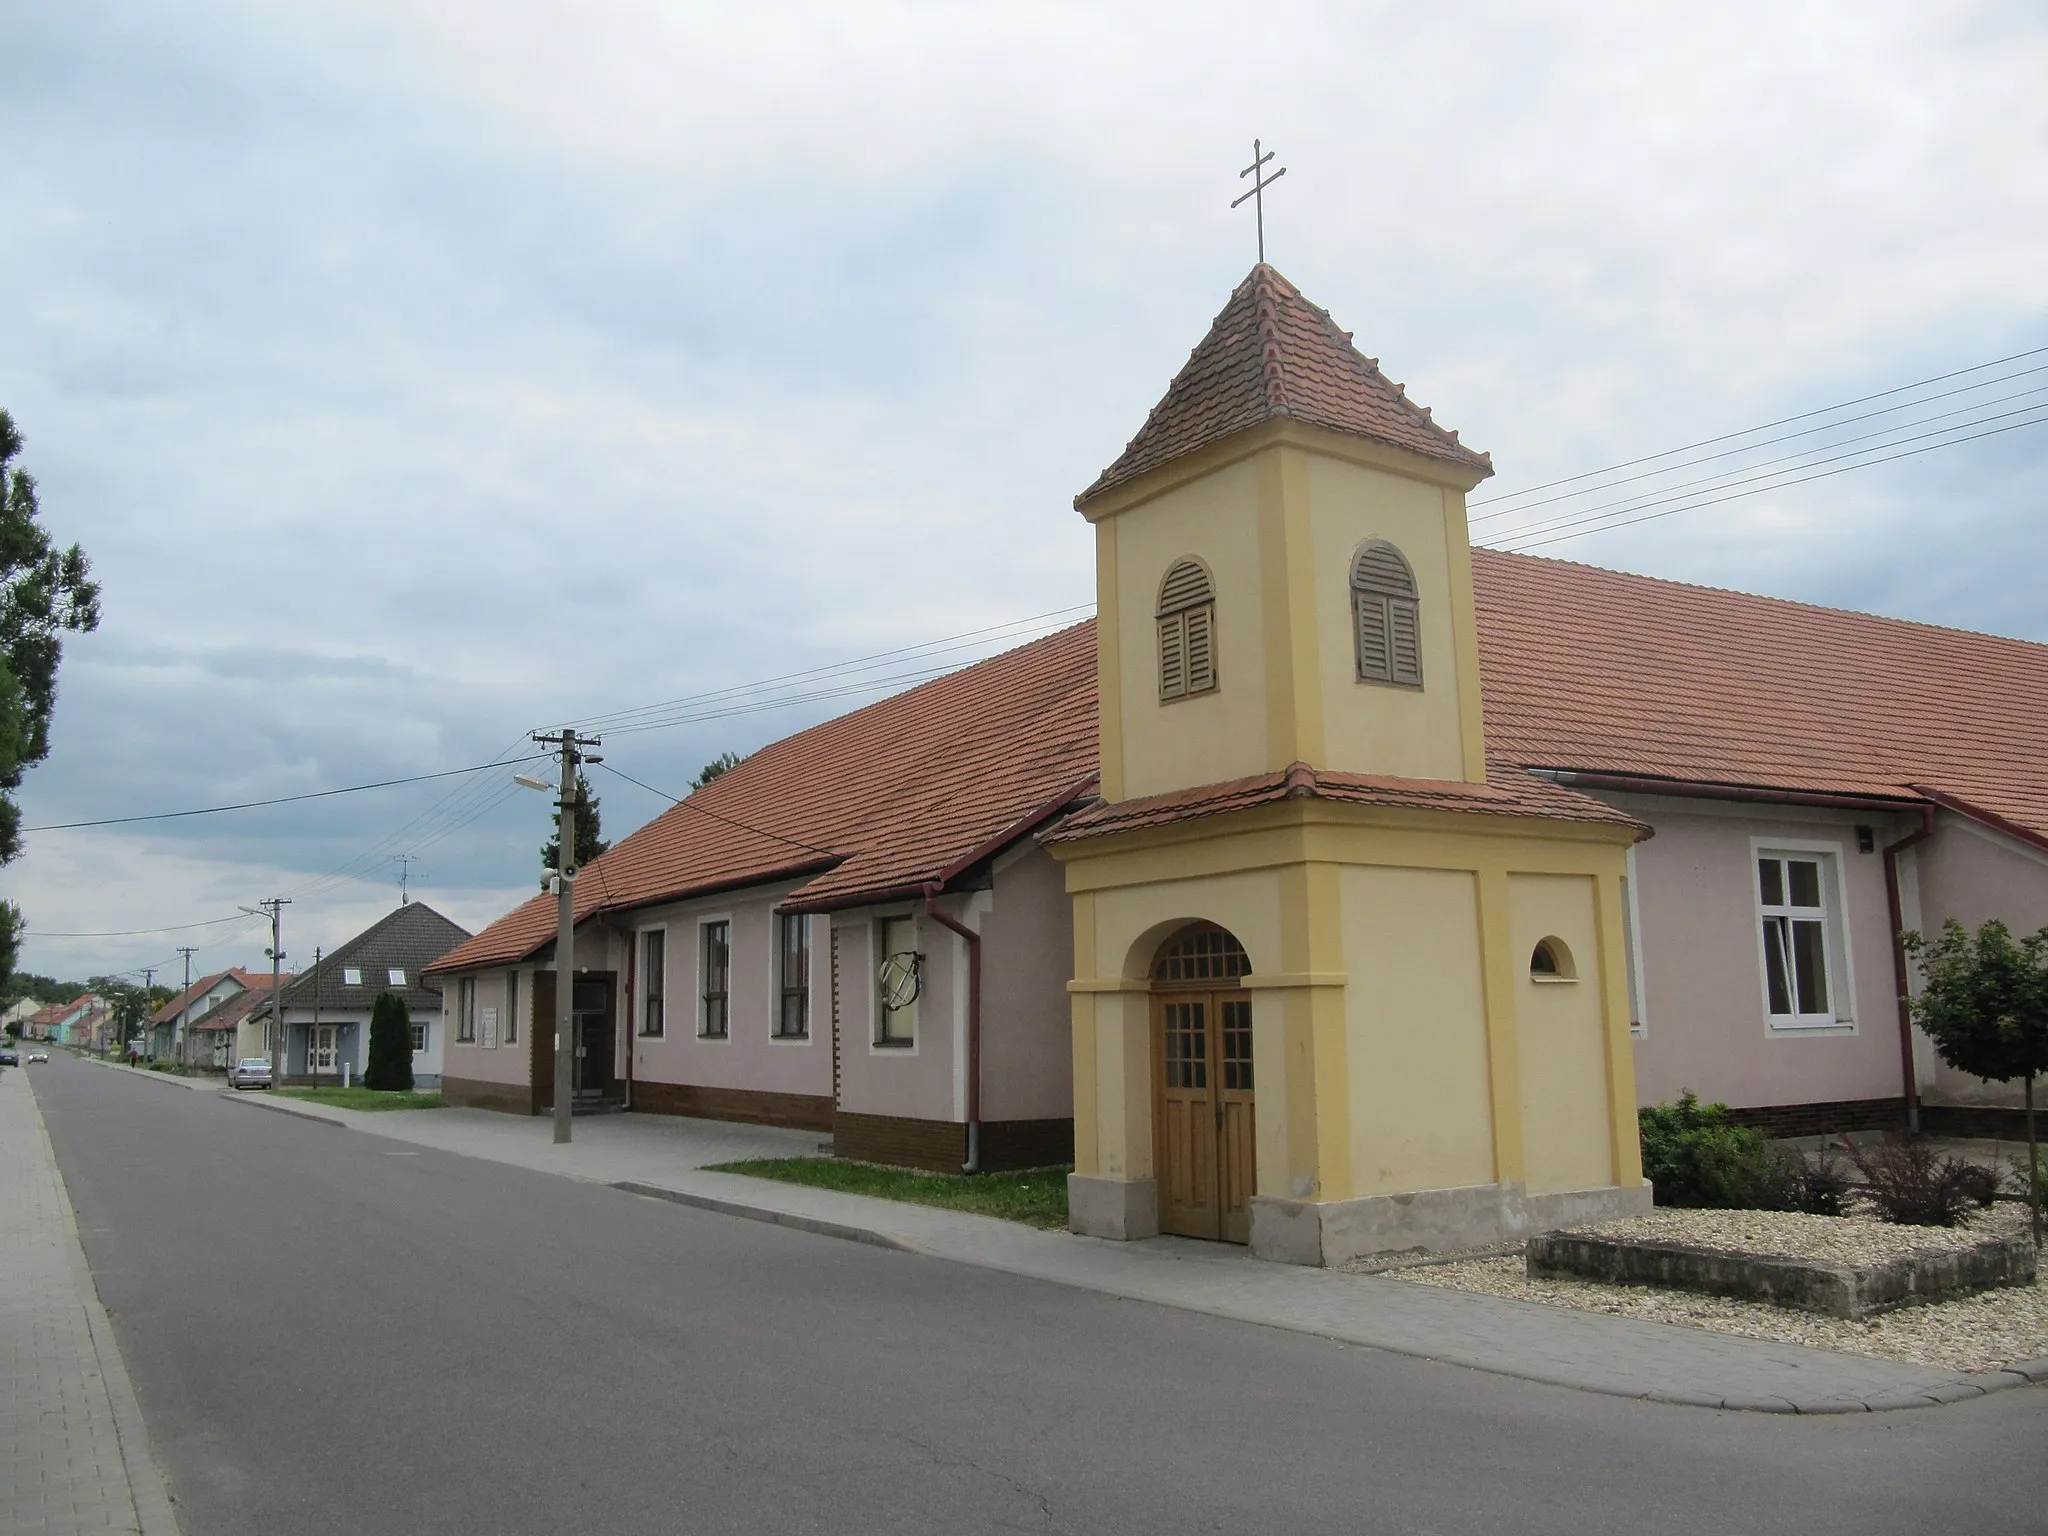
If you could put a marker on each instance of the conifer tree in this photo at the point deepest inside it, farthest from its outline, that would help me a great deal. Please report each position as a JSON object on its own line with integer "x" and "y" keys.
{"x": 389, "y": 1069}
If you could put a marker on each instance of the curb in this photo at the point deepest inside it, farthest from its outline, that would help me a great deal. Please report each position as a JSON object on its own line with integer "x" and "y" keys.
{"x": 287, "y": 1107}
{"x": 817, "y": 1225}
{"x": 194, "y": 1085}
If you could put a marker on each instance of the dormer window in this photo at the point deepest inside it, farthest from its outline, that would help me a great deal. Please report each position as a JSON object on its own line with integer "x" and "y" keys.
{"x": 351, "y": 976}
{"x": 1187, "y": 632}
{"x": 1385, "y": 621}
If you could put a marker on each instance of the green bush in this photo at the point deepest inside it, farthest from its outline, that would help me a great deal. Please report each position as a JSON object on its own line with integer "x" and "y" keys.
{"x": 1694, "y": 1156}
{"x": 389, "y": 1069}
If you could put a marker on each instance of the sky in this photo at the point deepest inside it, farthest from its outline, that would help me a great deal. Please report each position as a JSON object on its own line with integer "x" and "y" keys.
{"x": 419, "y": 376}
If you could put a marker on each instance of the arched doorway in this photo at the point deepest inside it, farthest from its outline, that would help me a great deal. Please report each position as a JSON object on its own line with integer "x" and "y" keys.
{"x": 1202, "y": 1085}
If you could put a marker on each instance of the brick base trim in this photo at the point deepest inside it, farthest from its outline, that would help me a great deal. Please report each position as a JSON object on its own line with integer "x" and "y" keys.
{"x": 1987, "y": 1122}
{"x": 940, "y": 1146}
{"x": 474, "y": 1093}
{"x": 1826, "y": 1119}
{"x": 808, "y": 1112}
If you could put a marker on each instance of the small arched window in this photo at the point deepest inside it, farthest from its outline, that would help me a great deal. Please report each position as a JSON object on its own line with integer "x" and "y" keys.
{"x": 1187, "y": 631}
{"x": 1385, "y": 622}
{"x": 1551, "y": 960}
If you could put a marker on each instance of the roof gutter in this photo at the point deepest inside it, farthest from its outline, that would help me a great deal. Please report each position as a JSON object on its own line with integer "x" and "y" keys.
{"x": 1646, "y": 784}
{"x": 931, "y": 910}
{"x": 1990, "y": 819}
{"x": 1901, "y": 975}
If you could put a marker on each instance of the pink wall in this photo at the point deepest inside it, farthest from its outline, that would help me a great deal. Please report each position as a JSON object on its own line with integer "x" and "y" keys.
{"x": 1972, "y": 874}
{"x": 1027, "y": 959}
{"x": 503, "y": 1064}
{"x": 1703, "y": 1006}
{"x": 917, "y": 1082}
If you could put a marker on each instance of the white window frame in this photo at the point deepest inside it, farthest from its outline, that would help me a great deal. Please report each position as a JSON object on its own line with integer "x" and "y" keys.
{"x": 878, "y": 951}
{"x": 641, "y": 997}
{"x": 351, "y": 976}
{"x": 697, "y": 1000}
{"x": 1841, "y": 1017}
{"x": 419, "y": 1034}
{"x": 775, "y": 987}
{"x": 394, "y": 977}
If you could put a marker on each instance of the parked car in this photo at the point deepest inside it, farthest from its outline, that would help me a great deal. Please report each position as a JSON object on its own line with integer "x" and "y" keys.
{"x": 250, "y": 1072}
{"x": 9, "y": 1057}
{"x": 38, "y": 1056}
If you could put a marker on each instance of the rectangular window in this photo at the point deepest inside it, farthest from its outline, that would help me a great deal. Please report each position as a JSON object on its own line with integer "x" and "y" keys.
{"x": 793, "y": 965}
{"x": 900, "y": 978}
{"x": 465, "y": 1011}
{"x": 1792, "y": 901}
{"x": 397, "y": 978}
{"x": 351, "y": 976}
{"x": 419, "y": 1038}
{"x": 512, "y": 1007}
{"x": 653, "y": 980}
{"x": 717, "y": 973}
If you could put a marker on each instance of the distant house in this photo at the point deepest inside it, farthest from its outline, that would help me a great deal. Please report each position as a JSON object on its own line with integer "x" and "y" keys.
{"x": 211, "y": 1039}
{"x": 168, "y": 1036}
{"x": 81, "y": 1022}
{"x": 327, "y": 1009}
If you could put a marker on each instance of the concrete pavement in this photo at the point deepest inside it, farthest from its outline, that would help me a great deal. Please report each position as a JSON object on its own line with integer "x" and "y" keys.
{"x": 74, "y": 1456}
{"x": 664, "y": 1157}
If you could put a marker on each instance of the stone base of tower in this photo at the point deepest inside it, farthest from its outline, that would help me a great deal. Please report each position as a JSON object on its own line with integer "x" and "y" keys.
{"x": 1332, "y": 1232}
{"x": 1123, "y": 1209}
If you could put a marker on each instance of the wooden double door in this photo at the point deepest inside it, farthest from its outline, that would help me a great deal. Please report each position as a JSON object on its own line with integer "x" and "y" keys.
{"x": 1203, "y": 1112}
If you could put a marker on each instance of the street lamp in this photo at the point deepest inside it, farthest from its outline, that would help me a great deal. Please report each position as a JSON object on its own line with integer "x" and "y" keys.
{"x": 570, "y": 745}
{"x": 273, "y": 908}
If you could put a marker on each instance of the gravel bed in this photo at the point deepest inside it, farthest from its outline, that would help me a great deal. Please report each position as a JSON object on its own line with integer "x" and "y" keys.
{"x": 1975, "y": 1333}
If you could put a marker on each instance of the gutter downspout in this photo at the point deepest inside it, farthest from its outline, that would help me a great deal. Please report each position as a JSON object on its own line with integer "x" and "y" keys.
{"x": 1900, "y": 972}
{"x": 931, "y": 910}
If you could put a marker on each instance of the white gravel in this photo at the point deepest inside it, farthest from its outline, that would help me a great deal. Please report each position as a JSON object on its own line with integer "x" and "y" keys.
{"x": 1976, "y": 1333}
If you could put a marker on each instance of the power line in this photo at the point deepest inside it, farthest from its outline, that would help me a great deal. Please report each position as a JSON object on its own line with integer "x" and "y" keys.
{"x": 1650, "y": 517}
{"x": 129, "y": 933}
{"x": 250, "y": 805}
{"x": 1609, "y": 511}
{"x": 1708, "y": 442}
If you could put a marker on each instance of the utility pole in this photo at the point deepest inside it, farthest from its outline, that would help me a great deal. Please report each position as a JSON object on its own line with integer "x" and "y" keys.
{"x": 273, "y": 907}
{"x": 178, "y": 1026}
{"x": 571, "y": 746}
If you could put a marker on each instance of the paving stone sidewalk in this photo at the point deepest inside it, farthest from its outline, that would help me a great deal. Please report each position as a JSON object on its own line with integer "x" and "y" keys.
{"x": 74, "y": 1456}
{"x": 664, "y": 1157}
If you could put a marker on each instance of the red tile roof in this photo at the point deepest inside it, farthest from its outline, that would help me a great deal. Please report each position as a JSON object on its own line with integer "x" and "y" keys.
{"x": 1270, "y": 354}
{"x": 1508, "y": 792}
{"x": 193, "y": 993}
{"x": 872, "y": 804}
{"x": 1584, "y": 669}
{"x": 1607, "y": 672}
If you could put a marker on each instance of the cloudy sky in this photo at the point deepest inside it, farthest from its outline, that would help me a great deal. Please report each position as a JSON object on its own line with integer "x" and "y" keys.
{"x": 419, "y": 375}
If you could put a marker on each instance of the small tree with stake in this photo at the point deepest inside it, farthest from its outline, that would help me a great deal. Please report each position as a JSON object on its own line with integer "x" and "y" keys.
{"x": 1985, "y": 1007}
{"x": 389, "y": 1069}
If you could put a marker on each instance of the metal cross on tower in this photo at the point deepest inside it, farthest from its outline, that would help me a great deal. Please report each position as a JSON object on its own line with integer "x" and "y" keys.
{"x": 1257, "y": 195}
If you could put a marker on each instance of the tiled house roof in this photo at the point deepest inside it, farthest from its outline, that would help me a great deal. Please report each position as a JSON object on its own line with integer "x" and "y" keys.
{"x": 1272, "y": 354}
{"x": 185, "y": 999}
{"x": 1583, "y": 669}
{"x": 230, "y": 1011}
{"x": 407, "y": 939}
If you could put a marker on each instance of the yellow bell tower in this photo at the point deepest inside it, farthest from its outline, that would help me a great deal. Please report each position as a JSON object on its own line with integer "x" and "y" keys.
{"x": 1312, "y": 930}
{"x": 1282, "y": 570}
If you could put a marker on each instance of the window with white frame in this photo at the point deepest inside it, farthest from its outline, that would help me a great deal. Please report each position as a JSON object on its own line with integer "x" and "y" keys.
{"x": 419, "y": 1038}
{"x": 1803, "y": 965}
{"x": 465, "y": 1011}
{"x": 715, "y": 967}
{"x": 512, "y": 1006}
{"x": 899, "y": 980}
{"x": 653, "y": 981}
{"x": 793, "y": 977}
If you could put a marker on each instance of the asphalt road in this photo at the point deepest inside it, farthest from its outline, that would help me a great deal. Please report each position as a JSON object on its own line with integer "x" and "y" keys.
{"x": 332, "y": 1332}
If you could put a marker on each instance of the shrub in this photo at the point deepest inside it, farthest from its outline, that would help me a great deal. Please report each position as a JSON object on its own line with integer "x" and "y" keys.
{"x": 1694, "y": 1156}
{"x": 1792, "y": 1182}
{"x": 1908, "y": 1183}
{"x": 389, "y": 1068}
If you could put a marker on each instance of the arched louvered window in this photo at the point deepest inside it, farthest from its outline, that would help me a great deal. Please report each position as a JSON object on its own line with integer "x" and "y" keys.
{"x": 1187, "y": 631}
{"x": 1384, "y": 619}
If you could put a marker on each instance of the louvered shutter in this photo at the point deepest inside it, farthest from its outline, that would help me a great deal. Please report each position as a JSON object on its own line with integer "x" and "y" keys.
{"x": 1404, "y": 636}
{"x": 1173, "y": 657}
{"x": 1201, "y": 651}
{"x": 1375, "y": 659}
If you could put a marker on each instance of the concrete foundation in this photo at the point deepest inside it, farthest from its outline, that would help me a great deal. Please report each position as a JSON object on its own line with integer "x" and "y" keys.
{"x": 1124, "y": 1209}
{"x": 1331, "y": 1232}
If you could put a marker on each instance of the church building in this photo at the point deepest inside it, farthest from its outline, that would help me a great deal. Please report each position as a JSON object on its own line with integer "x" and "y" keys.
{"x": 1339, "y": 888}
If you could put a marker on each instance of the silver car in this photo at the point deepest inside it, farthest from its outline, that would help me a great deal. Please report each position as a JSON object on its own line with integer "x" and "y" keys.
{"x": 250, "y": 1072}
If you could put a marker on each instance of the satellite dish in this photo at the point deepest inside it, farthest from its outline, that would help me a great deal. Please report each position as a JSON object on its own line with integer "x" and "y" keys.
{"x": 902, "y": 978}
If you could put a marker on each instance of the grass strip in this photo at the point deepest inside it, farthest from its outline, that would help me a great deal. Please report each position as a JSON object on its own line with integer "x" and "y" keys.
{"x": 365, "y": 1098}
{"x": 1037, "y": 1196}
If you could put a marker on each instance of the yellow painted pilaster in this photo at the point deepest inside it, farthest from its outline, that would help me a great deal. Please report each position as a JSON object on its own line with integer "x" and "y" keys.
{"x": 1621, "y": 1060}
{"x": 1108, "y": 661}
{"x": 1503, "y": 1044}
{"x": 1087, "y": 1106}
{"x": 1465, "y": 637}
{"x": 1294, "y": 695}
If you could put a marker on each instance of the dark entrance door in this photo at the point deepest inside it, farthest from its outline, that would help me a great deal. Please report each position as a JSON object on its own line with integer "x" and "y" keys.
{"x": 593, "y": 1009}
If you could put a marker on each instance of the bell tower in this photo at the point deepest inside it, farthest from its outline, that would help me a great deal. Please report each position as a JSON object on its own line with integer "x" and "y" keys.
{"x": 1282, "y": 567}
